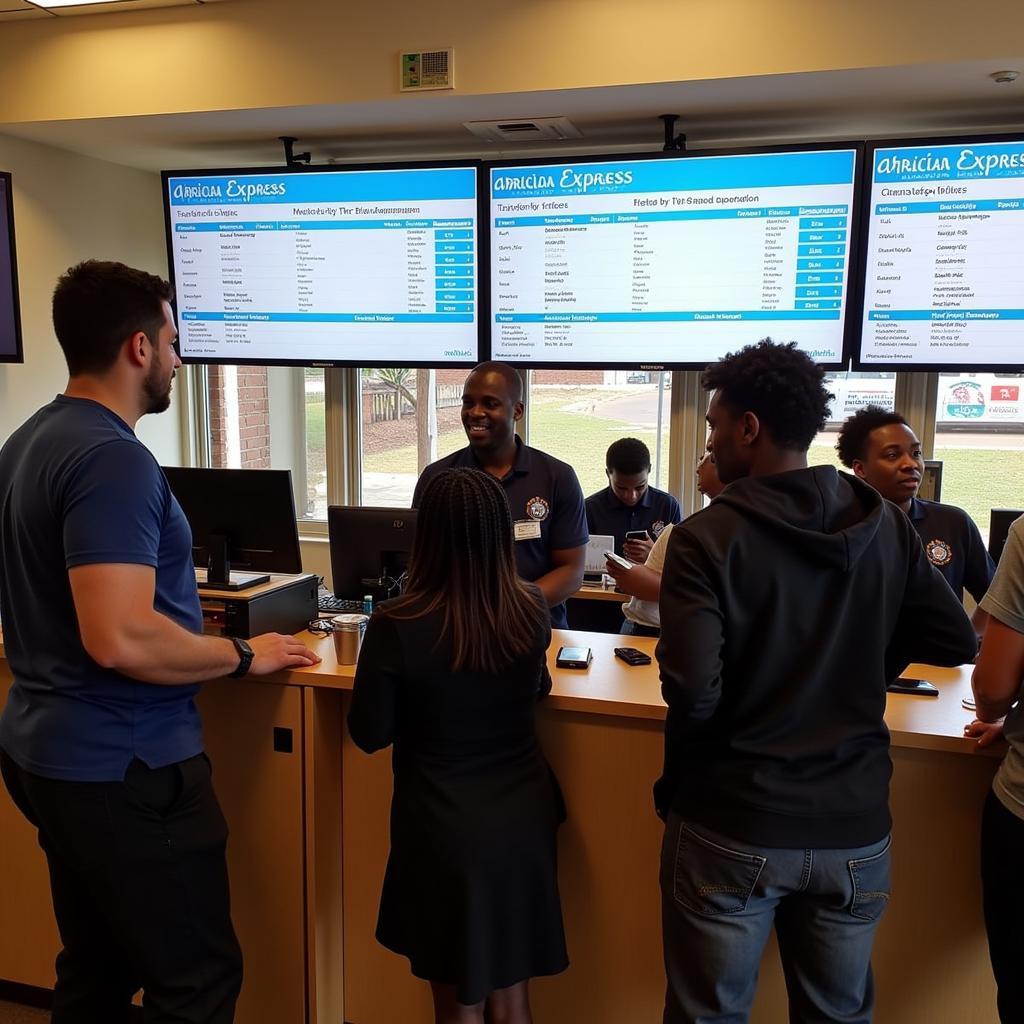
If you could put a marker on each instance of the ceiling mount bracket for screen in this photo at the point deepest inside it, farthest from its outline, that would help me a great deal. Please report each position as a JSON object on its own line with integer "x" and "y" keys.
{"x": 673, "y": 143}
{"x": 291, "y": 158}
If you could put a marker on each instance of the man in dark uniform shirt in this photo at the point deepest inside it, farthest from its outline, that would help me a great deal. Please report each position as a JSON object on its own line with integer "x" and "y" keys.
{"x": 629, "y": 503}
{"x": 880, "y": 447}
{"x": 543, "y": 493}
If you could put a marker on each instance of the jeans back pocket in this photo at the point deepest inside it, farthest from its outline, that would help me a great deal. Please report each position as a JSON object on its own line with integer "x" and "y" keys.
{"x": 872, "y": 883}
{"x": 711, "y": 879}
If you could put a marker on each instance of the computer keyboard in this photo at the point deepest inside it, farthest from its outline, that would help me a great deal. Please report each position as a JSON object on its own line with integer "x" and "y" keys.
{"x": 327, "y": 602}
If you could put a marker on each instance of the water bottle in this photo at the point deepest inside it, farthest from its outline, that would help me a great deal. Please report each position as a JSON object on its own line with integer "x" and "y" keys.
{"x": 367, "y": 604}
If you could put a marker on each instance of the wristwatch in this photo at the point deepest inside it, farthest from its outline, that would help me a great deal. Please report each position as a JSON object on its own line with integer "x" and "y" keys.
{"x": 245, "y": 656}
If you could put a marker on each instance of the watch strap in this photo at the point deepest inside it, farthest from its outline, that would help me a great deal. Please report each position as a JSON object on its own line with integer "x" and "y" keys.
{"x": 245, "y": 657}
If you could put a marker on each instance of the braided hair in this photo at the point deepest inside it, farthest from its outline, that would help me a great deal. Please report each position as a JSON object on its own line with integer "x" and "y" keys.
{"x": 462, "y": 561}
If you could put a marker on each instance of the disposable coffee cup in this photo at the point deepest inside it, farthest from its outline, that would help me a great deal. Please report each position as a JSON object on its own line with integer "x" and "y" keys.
{"x": 348, "y": 633}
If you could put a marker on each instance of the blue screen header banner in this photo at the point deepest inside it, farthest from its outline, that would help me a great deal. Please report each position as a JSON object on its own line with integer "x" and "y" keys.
{"x": 327, "y": 187}
{"x": 966, "y": 162}
{"x": 713, "y": 173}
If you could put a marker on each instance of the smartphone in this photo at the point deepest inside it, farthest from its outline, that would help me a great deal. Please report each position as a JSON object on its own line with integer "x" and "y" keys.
{"x": 918, "y": 686}
{"x": 637, "y": 535}
{"x": 631, "y": 656}
{"x": 574, "y": 657}
{"x": 618, "y": 560}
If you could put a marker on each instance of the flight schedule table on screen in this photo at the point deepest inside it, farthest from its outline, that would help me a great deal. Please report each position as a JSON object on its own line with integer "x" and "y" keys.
{"x": 335, "y": 265}
{"x": 944, "y": 261}
{"x": 670, "y": 260}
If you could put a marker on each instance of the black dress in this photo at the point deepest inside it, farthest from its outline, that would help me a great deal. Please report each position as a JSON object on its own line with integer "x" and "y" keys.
{"x": 471, "y": 889}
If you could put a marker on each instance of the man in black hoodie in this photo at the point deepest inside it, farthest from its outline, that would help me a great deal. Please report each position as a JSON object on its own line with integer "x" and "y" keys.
{"x": 786, "y": 607}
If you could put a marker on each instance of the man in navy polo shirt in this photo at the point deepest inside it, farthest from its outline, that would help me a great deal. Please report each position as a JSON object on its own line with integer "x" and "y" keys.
{"x": 101, "y": 746}
{"x": 880, "y": 447}
{"x": 629, "y": 504}
{"x": 543, "y": 493}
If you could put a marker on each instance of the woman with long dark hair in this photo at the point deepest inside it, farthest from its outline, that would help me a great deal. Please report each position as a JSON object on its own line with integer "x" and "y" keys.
{"x": 450, "y": 673}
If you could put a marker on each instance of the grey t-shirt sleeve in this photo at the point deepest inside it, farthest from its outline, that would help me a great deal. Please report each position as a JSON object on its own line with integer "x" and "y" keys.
{"x": 1005, "y": 598}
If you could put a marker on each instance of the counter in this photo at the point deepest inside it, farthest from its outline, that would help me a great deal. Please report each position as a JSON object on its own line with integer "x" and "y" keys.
{"x": 309, "y": 843}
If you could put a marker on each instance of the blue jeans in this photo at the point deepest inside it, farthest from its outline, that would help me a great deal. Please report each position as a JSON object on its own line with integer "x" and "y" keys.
{"x": 720, "y": 899}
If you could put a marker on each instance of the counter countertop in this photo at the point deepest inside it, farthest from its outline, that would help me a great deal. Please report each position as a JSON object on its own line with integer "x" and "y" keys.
{"x": 611, "y": 687}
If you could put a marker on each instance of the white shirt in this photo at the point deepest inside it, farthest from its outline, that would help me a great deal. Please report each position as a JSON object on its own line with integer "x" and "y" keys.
{"x": 646, "y": 613}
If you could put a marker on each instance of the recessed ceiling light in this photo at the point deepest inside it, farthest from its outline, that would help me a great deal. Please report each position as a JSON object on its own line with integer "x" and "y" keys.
{"x": 1004, "y": 77}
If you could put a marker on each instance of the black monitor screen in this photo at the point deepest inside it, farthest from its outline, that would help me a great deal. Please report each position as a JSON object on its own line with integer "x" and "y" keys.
{"x": 253, "y": 509}
{"x": 1000, "y": 521}
{"x": 10, "y": 321}
{"x": 370, "y": 549}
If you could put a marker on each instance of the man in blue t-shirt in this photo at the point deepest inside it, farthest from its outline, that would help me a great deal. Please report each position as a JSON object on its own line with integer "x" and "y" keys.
{"x": 880, "y": 448}
{"x": 544, "y": 496}
{"x": 101, "y": 746}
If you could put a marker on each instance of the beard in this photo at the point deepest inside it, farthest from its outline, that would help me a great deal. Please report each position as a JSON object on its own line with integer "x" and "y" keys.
{"x": 156, "y": 389}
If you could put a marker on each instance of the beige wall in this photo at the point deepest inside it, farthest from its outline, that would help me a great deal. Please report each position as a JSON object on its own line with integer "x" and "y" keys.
{"x": 68, "y": 208}
{"x": 267, "y": 53}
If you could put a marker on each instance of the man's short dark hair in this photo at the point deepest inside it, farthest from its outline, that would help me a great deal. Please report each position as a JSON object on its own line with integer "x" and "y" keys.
{"x": 852, "y": 443}
{"x": 98, "y": 304}
{"x": 777, "y": 382}
{"x": 628, "y": 455}
{"x": 506, "y": 372}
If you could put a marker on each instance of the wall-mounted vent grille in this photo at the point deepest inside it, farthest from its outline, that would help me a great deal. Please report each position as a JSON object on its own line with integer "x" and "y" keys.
{"x": 426, "y": 69}
{"x": 531, "y": 129}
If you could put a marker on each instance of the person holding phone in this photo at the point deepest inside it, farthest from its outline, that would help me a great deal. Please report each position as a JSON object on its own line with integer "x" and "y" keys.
{"x": 998, "y": 687}
{"x": 450, "y": 674}
{"x": 629, "y": 509}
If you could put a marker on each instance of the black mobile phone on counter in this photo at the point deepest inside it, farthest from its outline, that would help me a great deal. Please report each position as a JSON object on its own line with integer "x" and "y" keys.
{"x": 918, "y": 686}
{"x": 631, "y": 656}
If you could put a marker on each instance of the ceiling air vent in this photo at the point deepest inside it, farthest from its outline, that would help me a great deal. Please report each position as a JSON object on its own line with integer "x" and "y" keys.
{"x": 426, "y": 69}
{"x": 532, "y": 129}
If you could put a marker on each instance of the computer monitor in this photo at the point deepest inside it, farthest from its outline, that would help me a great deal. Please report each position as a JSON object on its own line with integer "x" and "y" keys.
{"x": 241, "y": 519}
{"x": 931, "y": 482}
{"x": 999, "y": 522}
{"x": 370, "y": 549}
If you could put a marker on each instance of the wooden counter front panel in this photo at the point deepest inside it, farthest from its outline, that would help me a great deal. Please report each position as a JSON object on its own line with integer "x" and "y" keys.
{"x": 261, "y": 793}
{"x": 930, "y": 958}
{"x": 28, "y": 933}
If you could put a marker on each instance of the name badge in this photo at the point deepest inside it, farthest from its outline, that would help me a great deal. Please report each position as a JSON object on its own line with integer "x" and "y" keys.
{"x": 526, "y": 529}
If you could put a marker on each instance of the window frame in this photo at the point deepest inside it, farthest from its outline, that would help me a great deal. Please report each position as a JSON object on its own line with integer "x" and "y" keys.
{"x": 916, "y": 394}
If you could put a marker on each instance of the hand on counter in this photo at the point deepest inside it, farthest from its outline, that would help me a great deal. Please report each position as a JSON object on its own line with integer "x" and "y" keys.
{"x": 986, "y": 733}
{"x": 275, "y": 651}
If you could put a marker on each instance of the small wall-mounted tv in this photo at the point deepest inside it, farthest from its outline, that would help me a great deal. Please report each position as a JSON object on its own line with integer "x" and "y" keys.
{"x": 10, "y": 316}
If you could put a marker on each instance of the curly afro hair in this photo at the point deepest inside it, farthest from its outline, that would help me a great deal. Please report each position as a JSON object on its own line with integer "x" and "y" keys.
{"x": 852, "y": 443}
{"x": 777, "y": 382}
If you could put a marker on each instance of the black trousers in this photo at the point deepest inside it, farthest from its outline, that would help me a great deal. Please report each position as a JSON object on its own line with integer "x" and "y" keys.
{"x": 140, "y": 892}
{"x": 1002, "y": 853}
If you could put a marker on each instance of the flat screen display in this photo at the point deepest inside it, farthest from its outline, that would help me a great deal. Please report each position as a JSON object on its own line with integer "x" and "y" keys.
{"x": 944, "y": 265}
{"x": 671, "y": 261}
{"x": 358, "y": 267}
{"x": 10, "y": 319}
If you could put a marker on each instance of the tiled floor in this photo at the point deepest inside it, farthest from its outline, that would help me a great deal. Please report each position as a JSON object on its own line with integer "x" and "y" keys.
{"x": 11, "y": 1013}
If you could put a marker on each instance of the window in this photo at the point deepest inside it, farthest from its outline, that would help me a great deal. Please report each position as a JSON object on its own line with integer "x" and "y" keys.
{"x": 853, "y": 391}
{"x": 979, "y": 436}
{"x": 576, "y": 414}
{"x": 401, "y": 434}
{"x": 262, "y": 417}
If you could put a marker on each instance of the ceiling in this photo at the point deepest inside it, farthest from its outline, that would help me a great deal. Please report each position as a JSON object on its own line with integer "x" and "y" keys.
{"x": 917, "y": 100}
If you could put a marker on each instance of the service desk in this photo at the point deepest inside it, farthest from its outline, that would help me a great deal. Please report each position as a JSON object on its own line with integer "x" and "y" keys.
{"x": 309, "y": 819}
